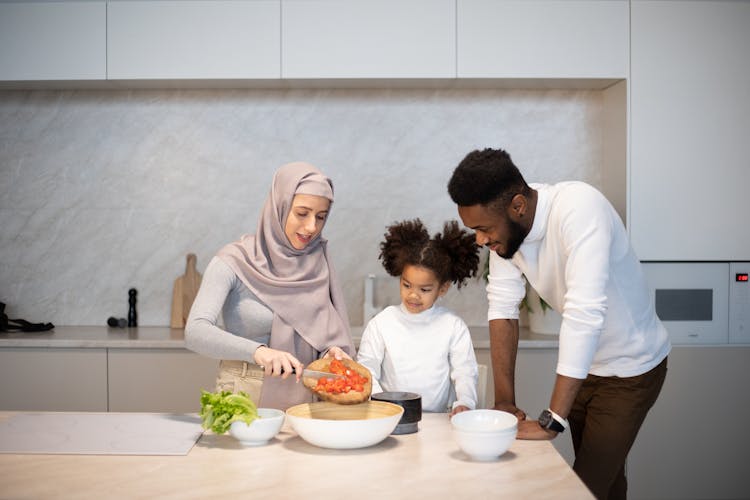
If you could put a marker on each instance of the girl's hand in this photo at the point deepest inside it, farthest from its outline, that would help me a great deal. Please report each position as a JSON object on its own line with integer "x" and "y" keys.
{"x": 458, "y": 409}
{"x": 277, "y": 363}
{"x": 337, "y": 353}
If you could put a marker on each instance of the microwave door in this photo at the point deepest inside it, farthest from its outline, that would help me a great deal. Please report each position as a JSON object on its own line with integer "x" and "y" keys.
{"x": 691, "y": 300}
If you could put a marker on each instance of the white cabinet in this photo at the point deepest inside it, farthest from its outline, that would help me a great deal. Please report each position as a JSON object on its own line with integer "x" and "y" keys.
{"x": 542, "y": 39}
{"x": 690, "y": 124}
{"x": 53, "y": 40}
{"x": 681, "y": 451}
{"x": 159, "y": 380}
{"x": 47, "y": 379}
{"x": 687, "y": 447}
{"x": 228, "y": 39}
{"x": 368, "y": 39}
{"x": 101, "y": 379}
{"x": 312, "y": 39}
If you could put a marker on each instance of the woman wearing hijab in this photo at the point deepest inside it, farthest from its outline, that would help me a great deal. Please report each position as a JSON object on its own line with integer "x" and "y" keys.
{"x": 277, "y": 292}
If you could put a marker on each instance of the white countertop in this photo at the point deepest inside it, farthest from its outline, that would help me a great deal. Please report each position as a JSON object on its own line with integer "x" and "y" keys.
{"x": 88, "y": 337}
{"x": 159, "y": 337}
{"x": 427, "y": 464}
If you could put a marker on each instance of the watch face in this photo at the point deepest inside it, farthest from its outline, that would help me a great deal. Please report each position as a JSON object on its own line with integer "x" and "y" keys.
{"x": 545, "y": 418}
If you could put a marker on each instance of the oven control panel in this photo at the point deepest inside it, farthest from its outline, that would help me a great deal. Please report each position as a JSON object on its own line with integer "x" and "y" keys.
{"x": 739, "y": 303}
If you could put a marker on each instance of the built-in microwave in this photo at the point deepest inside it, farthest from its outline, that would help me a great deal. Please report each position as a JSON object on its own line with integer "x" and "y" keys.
{"x": 702, "y": 302}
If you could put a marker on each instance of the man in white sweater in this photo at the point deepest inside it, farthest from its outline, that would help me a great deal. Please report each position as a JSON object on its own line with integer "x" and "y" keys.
{"x": 570, "y": 244}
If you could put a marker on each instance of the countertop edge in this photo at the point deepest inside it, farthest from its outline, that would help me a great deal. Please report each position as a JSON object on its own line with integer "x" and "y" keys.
{"x": 161, "y": 337}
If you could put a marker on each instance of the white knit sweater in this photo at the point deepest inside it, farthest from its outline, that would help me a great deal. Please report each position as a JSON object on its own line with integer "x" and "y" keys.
{"x": 429, "y": 353}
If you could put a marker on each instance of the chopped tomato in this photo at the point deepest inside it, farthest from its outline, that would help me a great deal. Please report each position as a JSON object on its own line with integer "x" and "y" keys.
{"x": 351, "y": 380}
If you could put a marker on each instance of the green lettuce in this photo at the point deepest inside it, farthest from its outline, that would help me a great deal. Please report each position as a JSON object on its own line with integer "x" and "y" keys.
{"x": 220, "y": 409}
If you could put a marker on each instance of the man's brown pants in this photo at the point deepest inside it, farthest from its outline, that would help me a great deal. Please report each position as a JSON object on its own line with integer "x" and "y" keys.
{"x": 604, "y": 422}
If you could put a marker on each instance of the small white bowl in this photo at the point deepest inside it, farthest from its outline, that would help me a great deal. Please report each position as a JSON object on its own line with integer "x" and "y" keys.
{"x": 261, "y": 430}
{"x": 484, "y": 434}
{"x": 484, "y": 421}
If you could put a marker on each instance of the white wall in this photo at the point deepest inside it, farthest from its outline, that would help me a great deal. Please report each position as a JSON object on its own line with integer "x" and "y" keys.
{"x": 101, "y": 191}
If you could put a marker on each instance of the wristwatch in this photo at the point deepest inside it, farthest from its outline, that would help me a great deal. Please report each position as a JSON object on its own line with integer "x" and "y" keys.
{"x": 551, "y": 420}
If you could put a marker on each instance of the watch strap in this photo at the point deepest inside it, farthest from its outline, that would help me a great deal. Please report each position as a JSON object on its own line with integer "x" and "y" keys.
{"x": 551, "y": 420}
{"x": 563, "y": 422}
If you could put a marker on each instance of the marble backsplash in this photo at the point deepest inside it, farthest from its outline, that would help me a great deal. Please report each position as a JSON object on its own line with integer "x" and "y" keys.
{"x": 101, "y": 191}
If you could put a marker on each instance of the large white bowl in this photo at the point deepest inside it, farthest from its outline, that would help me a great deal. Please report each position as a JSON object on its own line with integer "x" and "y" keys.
{"x": 484, "y": 434}
{"x": 330, "y": 425}
{"x": 260, "y": 430}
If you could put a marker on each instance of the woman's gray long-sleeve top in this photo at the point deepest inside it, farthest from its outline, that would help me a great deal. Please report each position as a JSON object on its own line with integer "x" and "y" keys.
{"x": 247, "y": 321}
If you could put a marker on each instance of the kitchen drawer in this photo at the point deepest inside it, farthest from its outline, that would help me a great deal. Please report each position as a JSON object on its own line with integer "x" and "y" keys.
{"x": 46, "y": 379}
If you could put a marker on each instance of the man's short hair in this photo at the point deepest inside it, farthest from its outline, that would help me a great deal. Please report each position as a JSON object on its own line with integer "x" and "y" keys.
{"x": 485, "y": 177}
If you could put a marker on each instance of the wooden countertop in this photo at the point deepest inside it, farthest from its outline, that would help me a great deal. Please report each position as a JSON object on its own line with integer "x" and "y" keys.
{"x": 427, "y": 464}
{"x": 159, "y": 337}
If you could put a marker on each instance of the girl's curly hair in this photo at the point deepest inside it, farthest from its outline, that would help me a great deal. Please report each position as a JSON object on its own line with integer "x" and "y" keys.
{"x": 452, "y": 255}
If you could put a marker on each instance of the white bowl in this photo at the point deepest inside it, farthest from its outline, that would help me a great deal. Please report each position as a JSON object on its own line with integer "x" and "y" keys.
{"x": 261, "y": 430}
{"x": 484, "y": 434}
{"x": 330, "y": 425}
{"x": 484, "y": 421}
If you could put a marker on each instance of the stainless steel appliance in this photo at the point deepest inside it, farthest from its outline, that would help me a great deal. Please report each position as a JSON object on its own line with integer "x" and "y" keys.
{"x": 702, "y": 302}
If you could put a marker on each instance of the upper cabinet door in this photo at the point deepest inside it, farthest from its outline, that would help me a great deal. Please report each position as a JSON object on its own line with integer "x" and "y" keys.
{"x": 53, "y": 40}
{"x": 368, "y": 39}
{"x": 690, "y": 125}
{"x": 542, "y": 39}
{"x": 199, "y": 39}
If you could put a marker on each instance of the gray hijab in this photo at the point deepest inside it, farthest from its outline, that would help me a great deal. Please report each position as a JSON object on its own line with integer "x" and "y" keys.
{"x": 299, "y": 286}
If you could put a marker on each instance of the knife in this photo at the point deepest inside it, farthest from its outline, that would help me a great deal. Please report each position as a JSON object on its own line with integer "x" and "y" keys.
{"x": 313, "y": 373}
{"x": 318, "y": 375}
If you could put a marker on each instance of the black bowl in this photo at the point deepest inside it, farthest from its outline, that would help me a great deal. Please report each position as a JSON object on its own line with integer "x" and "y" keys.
{"x": 411, "y": 402}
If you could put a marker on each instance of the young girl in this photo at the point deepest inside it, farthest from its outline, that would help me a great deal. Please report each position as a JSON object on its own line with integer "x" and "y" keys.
{"x": 418, "y": 346}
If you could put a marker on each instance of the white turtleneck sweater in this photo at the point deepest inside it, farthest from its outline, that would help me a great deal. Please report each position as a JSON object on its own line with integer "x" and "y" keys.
{"x": 429, "y": 353}
{"x": 578, "y": 257}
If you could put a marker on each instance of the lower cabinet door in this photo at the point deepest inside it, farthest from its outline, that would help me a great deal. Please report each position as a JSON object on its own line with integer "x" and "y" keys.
{"x": 158, "y": 380}
{"x": 40, "y": 379}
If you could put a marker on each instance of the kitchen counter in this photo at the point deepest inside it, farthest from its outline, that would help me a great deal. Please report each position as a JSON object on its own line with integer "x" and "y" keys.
{"x": 101, "y": 337}
{"x": 426, "y": 464}
{"x": 156, "y": 337}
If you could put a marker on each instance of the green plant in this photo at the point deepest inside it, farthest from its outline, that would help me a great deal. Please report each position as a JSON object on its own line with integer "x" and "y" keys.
{"x": 542, "y": 303}
{"x": 524, "y": 302}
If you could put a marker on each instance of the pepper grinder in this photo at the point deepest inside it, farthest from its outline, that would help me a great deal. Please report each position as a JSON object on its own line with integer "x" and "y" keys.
{"x": 132, "y": 314}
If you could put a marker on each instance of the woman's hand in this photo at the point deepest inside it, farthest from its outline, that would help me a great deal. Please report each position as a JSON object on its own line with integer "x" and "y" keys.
{"x": 530, "y": 429}
{"x": 337, "y": 353}
{"x": 277, "y": 363}
{"x": 458, "y": 409}
{"x": 511, "y": 408}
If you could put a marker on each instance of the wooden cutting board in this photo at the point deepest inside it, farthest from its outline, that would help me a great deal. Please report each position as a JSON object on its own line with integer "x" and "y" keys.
{"x": 184, "y": 292}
